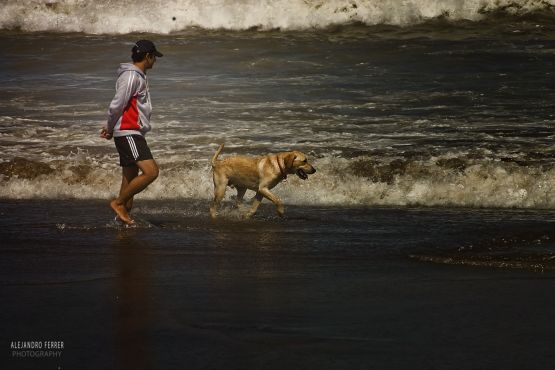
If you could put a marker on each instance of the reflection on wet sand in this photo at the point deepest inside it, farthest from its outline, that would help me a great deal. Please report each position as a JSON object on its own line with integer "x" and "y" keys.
{"x": 258, "y": 238}
{"x": 133, "y": 318}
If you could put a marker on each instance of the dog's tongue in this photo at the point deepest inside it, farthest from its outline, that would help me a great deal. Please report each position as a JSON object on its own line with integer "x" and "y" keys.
{"x": 302, "y": 174}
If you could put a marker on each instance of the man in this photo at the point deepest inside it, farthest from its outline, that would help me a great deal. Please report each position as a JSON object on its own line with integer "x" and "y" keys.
{"x": 128, "y": 123}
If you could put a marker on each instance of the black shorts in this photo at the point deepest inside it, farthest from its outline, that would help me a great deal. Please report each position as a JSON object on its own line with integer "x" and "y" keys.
{"x": 131, "y": 149}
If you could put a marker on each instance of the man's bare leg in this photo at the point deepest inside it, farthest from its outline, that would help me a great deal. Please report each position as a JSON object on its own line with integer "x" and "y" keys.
{"x": 128, "y": 174}
{"x": 134, "y": 185}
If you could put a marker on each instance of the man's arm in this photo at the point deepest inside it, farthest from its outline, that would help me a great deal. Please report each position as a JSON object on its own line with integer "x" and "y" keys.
{"x": 104, "y": 134}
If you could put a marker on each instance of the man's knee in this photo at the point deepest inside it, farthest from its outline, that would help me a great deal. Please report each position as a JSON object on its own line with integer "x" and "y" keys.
{"x": 150, "y": 170}
{"x": 153, "y": 173}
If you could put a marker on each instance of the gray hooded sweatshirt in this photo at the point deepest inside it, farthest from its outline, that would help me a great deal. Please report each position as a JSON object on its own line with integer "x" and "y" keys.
{"x": 129, "y": 112}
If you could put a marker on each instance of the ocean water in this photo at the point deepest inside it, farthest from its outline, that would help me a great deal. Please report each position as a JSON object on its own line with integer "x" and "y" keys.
{"x": 448, "y": 111}
{"x": 424, "y": 240}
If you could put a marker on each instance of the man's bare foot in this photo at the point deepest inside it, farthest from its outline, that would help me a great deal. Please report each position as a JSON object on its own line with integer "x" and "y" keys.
{"x": 121, "y": 212}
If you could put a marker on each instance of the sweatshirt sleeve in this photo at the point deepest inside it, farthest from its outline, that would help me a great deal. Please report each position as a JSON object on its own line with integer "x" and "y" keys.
{"x": 126, "y": 86}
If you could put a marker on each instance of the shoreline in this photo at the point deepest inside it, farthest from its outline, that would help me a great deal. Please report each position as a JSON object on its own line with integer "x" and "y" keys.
{"x": 525, "y": 242}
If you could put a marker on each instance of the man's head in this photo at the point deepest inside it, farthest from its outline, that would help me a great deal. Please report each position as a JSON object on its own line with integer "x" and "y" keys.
{"x": 145, "y": 52}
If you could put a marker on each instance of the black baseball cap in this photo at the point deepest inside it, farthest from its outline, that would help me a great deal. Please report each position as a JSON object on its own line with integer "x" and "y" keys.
{"x": 146, "y": 46}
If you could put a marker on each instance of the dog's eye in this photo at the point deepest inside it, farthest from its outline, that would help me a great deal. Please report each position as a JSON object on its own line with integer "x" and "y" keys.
{"x": 305, "y": 160}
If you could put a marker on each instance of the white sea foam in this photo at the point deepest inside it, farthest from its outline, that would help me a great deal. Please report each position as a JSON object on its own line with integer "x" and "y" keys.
{"x": 165, "y": 16}
{"x": 484, "y": 183}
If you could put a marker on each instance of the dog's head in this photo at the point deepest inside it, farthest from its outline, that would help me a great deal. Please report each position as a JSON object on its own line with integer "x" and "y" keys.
{"x": 297, "y": 162}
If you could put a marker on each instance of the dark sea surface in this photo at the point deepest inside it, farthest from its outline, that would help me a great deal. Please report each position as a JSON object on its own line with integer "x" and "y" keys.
{"x": 425, "y": 240}
{"x": 326, "y": 287}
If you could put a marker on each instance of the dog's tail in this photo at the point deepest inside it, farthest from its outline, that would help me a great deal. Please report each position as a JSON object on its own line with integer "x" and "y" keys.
{"x": 215, "y": 157}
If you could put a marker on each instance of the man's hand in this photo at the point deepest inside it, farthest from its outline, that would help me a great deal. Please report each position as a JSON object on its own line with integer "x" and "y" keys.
{"x": 104, "y": 134}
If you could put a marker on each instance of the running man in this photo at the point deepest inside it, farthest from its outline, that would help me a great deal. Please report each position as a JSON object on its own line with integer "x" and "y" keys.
{"x": 128, "y": 123}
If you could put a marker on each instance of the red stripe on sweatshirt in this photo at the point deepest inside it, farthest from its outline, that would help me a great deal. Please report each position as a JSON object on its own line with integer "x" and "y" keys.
{"x": 130, "y": 117}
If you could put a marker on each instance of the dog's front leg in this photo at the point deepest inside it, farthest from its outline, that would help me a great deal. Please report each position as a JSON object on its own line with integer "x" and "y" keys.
{"x": 279, "y": 204}
{"x": 240, "y": 194}
{"x": 257, "y": 200}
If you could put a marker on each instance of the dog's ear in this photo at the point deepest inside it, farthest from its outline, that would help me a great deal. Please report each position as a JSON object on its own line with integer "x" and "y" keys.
{"x": 289, "y": 159}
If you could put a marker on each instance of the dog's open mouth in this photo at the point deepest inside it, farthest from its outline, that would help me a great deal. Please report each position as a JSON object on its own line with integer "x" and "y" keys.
{"x": 302, "y": 174}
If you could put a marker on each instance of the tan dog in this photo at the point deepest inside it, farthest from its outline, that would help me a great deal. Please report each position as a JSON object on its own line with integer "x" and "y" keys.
{"x": 256, "y": 173}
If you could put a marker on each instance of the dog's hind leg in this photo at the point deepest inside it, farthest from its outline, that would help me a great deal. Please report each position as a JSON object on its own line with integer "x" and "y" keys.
{"x": 220, "y": 185}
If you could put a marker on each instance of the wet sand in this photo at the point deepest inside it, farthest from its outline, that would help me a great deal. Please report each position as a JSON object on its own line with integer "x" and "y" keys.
{"x": 324, "y": 288}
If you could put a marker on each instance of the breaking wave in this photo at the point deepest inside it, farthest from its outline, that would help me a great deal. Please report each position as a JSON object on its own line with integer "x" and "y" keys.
{"x": 441, "y": 182}
{"x": 166, "y": 16}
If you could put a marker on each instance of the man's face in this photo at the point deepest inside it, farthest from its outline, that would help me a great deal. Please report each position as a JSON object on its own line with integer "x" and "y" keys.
{"x": 150, "y": 60}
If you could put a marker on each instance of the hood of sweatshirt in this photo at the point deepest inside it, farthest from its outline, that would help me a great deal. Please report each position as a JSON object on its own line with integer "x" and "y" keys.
{"x": 124, "y": 67}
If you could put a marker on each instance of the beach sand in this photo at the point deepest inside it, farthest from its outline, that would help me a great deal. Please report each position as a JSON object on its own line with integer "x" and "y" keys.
{"x": 324, "y": 288}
